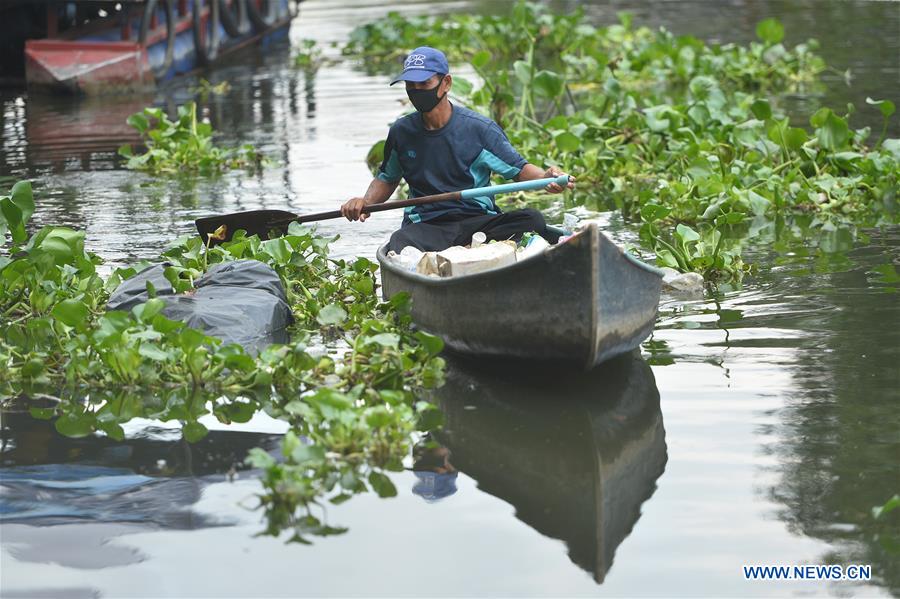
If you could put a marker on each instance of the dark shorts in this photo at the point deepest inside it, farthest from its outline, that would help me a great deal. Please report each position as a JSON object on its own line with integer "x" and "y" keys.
{"x": 450, "y": 230}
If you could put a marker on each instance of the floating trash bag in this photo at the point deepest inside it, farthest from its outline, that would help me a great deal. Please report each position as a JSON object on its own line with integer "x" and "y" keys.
{"x": 239, "y": 302}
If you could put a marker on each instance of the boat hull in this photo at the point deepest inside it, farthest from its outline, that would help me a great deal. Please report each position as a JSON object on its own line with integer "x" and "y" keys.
{"x": 91, "y": 68}
{"x": 97, "y": 61}
{"x": 580, "y": 302}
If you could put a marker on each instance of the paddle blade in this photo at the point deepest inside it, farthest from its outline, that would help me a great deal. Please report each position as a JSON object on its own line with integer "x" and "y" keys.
{"x": 254, "y": 222}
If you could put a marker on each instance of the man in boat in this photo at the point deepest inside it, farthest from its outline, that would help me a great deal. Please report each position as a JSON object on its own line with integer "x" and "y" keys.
{"x": 436, "y": 476}
{"x": 442, "y": 148}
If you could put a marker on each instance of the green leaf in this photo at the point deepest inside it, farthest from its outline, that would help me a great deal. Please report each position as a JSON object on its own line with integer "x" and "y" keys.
{"x": 146, "y": 311}
{"x": 700, "y": 168}
{"x": 686, "y": 233}
{"x": 363, "y": 286}
{"x": 480, "y": 59}
{"x": 702, "y": 87}
{"x": 771, "y": 31}
{"x": 748, "y": 133}
{"x": 378, "y": 417}
{"x": 886, "y": 107}
{"x": 75, "y": 425}
{"x": 111, "y": 323}
{"x": 340, "y": 498}
{"x": 329, "y": 403}
{"x": 166, "y": 326}
{"x": 548, "y": 84}
{"x": 138, "y": 121}
{"x": 567, "y": 142}
{"x": 834, "y": 133}
{"x": 148, "y": 350}
{"x": 657, "y": 117}
{"x": 430, "y": 418}
{"x": 889, "y": 506}
{"x": 654, "y": 212}
{"x": 384, "y": 339}
{"x": 70, "y": 312}
{"x": 259, "y": 458}
{"x": 730, "y": 218}
{"x": 63, "y": 244}
{"x": 462, "y": 86}
{"x": 761, "y": 110}
{"x": 818, "y": 117}
{"x": 277, "y": 248}
{"x": 42, "y": 413}
{"x": 332, "y": 314}
{"x": 191, "y": 339}
{"x": 892, "y": 145}
{"x": 33, "y": 368}
{"x": 523, "y": 71}
{"x": 432, "y": 344}
{"x": 888, "y": 273}
{"x": 21, "y": 196}
{"x": 13, "y": 217}
{"x": 382, "y": 484}
{"x": 794, "y": 138}
{"x": 113, "y": 430}
{"x": 667, "y": 258}
{"x": 557, "y": 123}
{"x": 194, "y": 431}
{"x": 758, "y": 204}
{"x": 307, "y": 454}
{"x": 289, "y": 443}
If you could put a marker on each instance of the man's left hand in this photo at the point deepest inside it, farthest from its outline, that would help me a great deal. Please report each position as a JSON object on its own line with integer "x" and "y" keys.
{"x": 555, "y": 187}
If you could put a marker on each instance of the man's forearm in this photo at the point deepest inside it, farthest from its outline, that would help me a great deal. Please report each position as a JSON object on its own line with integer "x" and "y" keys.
{"x": 379, "y": 191}
{"x": 530, "y": 172}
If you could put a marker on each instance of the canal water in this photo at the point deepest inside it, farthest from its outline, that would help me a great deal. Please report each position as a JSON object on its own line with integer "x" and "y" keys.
{"x": 759, "y": 426}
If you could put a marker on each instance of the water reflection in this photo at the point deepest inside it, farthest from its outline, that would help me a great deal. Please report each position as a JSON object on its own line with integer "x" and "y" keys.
{"x": 575, "y": 454}
{"x": 840, "y": 448}
{"x": 148, "y": 482}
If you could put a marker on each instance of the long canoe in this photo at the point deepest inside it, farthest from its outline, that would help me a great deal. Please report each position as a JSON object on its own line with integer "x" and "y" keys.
{"x": 580, "y": 302}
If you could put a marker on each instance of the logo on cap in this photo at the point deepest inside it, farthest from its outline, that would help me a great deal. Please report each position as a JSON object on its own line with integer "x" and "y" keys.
{"x": 414, "y": 61}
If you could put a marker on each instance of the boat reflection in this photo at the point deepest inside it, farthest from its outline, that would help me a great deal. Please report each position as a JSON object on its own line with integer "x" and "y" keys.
{"x": 575, "y": 454}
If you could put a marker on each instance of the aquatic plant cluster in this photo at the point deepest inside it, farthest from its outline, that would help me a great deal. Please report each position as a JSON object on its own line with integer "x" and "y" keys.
{"x": 686, "y": 137}
{"x": 353, "y": 410}
{"x": 184, "y": 145}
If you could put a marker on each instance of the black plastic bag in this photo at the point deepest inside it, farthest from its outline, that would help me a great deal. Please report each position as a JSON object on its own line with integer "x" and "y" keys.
{"x": 239, "y": 302}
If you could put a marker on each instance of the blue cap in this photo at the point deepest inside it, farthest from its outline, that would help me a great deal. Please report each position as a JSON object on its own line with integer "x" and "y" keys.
{"x": 421, "y": 64}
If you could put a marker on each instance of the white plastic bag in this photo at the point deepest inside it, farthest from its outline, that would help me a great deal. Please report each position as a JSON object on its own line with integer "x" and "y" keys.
{"x": 536, "y": 245}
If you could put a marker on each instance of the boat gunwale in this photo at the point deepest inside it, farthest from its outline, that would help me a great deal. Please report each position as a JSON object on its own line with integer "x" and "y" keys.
{"x": 419, "y": 278}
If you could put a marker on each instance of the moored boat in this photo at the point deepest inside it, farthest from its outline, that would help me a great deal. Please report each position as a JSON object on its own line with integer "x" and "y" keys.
{"x": 91, "y": 47}
{"x": 580, "y": 302}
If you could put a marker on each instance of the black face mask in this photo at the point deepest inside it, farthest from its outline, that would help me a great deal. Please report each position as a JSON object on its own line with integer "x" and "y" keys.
{"x": 425, "y": 100}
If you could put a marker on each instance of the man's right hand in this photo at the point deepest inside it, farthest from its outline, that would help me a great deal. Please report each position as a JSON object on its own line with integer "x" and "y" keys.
{"x": 352, "y": 209}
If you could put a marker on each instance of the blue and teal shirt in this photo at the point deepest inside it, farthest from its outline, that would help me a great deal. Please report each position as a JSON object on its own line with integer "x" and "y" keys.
{"x": 460, "y": 155}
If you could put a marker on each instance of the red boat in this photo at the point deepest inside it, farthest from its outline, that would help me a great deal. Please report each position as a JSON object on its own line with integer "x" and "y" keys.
{"x": 98, "y": 47}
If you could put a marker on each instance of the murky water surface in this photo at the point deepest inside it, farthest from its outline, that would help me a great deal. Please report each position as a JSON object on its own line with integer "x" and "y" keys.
{"x": 760, "y": 426}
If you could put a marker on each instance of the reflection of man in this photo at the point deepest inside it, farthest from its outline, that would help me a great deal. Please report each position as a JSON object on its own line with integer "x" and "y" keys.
{"x": 442, "y": 148}
{"x": 437, "y": 476}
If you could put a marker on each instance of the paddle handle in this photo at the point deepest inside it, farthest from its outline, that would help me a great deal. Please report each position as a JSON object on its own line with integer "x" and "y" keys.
{"x": 493, "y": 190}
{"x": 490, "y": 190}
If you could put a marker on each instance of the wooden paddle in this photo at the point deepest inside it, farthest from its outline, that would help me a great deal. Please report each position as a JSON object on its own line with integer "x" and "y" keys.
{"x": 260, "y": 222}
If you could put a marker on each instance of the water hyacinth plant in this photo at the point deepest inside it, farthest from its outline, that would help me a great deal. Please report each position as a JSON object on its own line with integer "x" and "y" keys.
{"x": 309, "y": 57}
{"x": 64, "y": 356}
{"x": 644, "y": 117}
{"x": 183, "y": 146}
